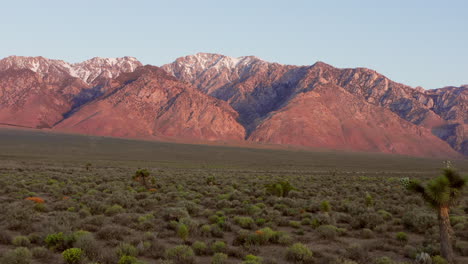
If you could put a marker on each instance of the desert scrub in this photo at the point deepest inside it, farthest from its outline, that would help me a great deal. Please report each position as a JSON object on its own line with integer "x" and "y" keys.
{"x": 299, "y": 253}
{"x": 219, "y": 258}
{"x": 20, "y": 255}
{"x": 252, "y": 259}
{"x": 21, "y": 241}
{"x": 419, "y": 221}
{"x": 244, "y": 222}
{"x": 41, "y": 253}
{"x": 325, "y": 207}
{"x": 114, "y": 209}
{"x": 129, "y": 260}
{"x": 200, "y": 248}
{"x": 383, "y": 260}
{"x": 72, "y": 255}
{"x": 183, "y": 232}
{"x": 219, "y": 247}
{"x": 402, "y": 237}
{"x": 59, "y": 241}
{"x": 180, "y": 254}
{"x": 295, "y": 224}
{"x": 125, "y": 249}
{"x": 328, "y": 231}
{"x": 280, "y": 189}
{"x": 205, "y": 230}
{"x": 438, "y": 260}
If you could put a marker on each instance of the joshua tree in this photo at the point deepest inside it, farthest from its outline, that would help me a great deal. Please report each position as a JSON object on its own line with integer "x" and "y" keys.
{"x": 142, "y": 176}
{"x": 441, "y": 193}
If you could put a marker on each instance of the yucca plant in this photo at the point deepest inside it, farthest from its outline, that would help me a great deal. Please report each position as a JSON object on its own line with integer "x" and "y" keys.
{"x": 142, "y": 176}
{"x": 441, "y": 193}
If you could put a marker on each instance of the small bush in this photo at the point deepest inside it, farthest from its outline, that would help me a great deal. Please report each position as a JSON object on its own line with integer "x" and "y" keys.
{"x": 200, "y": 248}
{"x": 19, "y": 255}
{"x": 219, "y": 258}
{"x": 462, "y": 247}
{"x": 41, "y": 253}
{"x": 21, "y": 241}
{"x": 244, "y": 222}
{"x": 299, "y": 253}
{"x": 383, "y": 260}
{"x": 367, "y": 233}
{"x": 357, "y": 253}
{"x": 402, "y": 237}
{"x": 294, "y": 224}
{"x": 181, "y": 254}
{"x": 72, "y": 255}
{"x": 114, "y": 209}
{"x": 325, "y": 206}
{"x": 59, "y": 241}
{"x": 328, "y": 231}
{"x": 218, "y": 247}
{"x": 438, "y": 260}
{"x": 129, "y": 260}
{"x": 183, "y": 232}
{"x": 126, "y": 249}
{"x": 252, "y": 259}
{"x": 280, "y": 189}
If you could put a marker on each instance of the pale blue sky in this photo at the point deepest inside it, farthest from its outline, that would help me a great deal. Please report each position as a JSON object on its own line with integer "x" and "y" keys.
{"x": 416, "y": 42}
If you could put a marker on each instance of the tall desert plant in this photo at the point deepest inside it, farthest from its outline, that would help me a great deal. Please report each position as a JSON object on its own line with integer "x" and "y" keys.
{"x": 441, "y": 194}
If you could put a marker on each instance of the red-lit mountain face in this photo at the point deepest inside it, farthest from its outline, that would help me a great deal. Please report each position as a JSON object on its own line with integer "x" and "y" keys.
{"x": 208, "y": 97}
{"x": 260, "y": 90}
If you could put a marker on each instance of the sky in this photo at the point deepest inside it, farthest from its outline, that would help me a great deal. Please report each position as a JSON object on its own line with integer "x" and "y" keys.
{"x": 415, "y": 42}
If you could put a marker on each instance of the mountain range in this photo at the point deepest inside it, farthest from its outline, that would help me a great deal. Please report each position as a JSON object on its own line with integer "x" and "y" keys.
{"x": 211, "y": 97}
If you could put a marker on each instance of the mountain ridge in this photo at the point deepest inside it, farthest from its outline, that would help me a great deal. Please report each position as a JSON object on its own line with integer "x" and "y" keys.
{"x": 216, "y": 97}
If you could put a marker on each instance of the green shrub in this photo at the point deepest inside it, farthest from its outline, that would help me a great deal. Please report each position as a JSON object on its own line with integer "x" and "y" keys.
{"x": 40, "y": 253}
{"x": 280, "y": 189}
{"x": 129, "y": 260}
{"x": 438, "y": 260}
{"x": 294, "y": 224}
{"x": 21, "y": 241}
{"x": 218, "y": 247}
{"x": 200, "y": 248}
{"x": 88, "y": 244}
{"x": 181, "y": 254}
{"x": 252, "y": 259}
{"x": 20, "y": 255}
{"x": 299, "y": 253}
{"x": 183, "y": 232}
{"x": 265, "y": 235}
{"x": 205, "y": 230}
{"x": 367, "y": 233}
{"x": 369, "y": 200}
{"x": 325, "y": 206}
{"x": 383, "y": 260}
{"x": 462, "y": 247}
{"x": 327, "y": 231}
{"x": 419, "y": 221}
{"x": 126, "y": 249}
{"x": 219, "y": 258}
{"x": 59, "y": 241}
{"x": 244, "y": 222}
{"x": 72, "y": 255}
{"x": 114, "y": 209}
{"x": 402, "y": 237}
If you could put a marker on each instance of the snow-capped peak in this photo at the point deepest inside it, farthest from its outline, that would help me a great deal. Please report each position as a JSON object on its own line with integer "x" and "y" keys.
{"x": 88, "y": 71}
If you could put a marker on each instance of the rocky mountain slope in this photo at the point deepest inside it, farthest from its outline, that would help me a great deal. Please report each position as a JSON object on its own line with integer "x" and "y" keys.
{"x": 256, "y": 88}
{"x": 206, "y": 97}
{"x": 149, "y": 103}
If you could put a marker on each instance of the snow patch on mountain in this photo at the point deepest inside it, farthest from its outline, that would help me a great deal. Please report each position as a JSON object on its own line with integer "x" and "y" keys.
{"x": 88, "y": 71}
